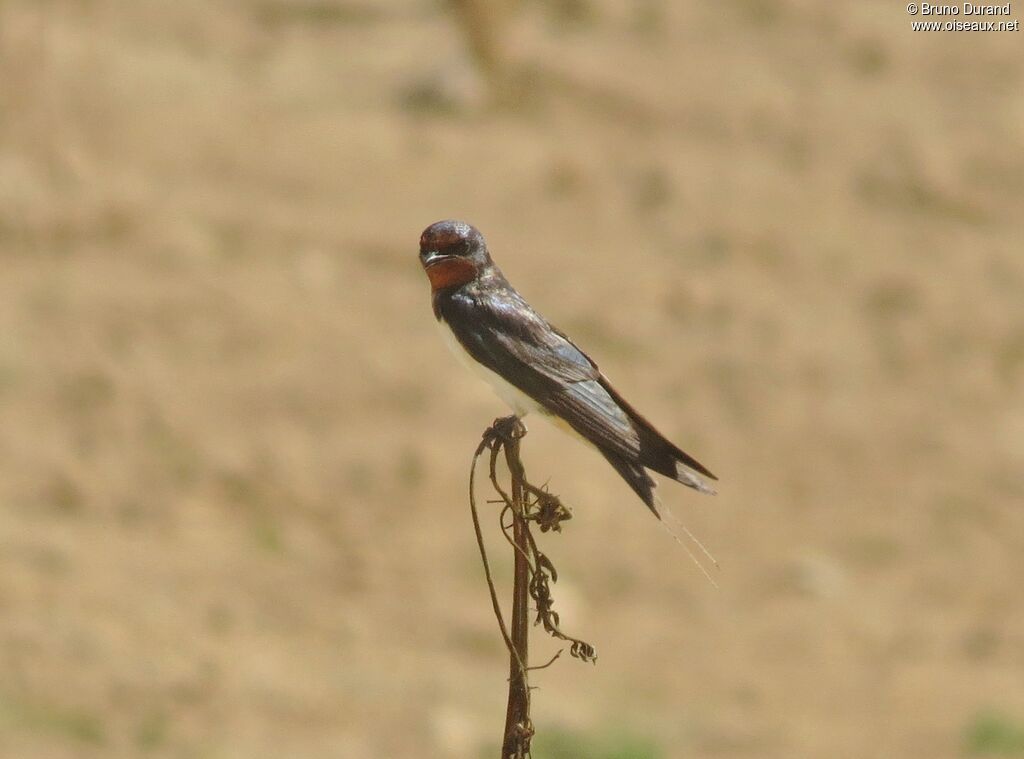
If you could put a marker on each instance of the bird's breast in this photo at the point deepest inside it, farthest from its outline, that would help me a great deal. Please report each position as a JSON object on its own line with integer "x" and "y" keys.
{"x": 520, "y": 403}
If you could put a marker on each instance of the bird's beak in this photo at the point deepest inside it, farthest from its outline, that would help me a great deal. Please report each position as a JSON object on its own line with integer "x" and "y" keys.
{"x": 432, "y": 257}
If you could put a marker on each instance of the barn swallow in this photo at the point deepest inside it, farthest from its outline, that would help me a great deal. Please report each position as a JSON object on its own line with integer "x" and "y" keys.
{"x": 533, "y": 366}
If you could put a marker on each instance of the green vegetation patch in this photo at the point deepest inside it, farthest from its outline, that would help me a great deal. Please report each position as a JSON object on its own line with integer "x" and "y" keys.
{"x": 992, "y": 733}
{"x": 559, "y": 743}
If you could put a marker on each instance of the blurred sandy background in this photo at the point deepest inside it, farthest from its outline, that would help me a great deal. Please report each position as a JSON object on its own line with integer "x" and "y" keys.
{"x": 233, "y": 450}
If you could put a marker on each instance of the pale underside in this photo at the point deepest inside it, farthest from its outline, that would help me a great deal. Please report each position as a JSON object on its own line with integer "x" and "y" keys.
{"x": 520, "y": 403}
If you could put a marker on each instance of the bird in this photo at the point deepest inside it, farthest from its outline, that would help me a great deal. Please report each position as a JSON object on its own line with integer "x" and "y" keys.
{"x": 534, "y": 367}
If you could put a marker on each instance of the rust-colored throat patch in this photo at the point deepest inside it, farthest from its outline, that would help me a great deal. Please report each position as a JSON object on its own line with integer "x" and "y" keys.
{"x": 450, "y": 272}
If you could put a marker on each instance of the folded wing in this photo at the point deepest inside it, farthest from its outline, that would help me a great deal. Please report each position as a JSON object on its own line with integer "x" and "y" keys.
{"x": 504, "y": 334}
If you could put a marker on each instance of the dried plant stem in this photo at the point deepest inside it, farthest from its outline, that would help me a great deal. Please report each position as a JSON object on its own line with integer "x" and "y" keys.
{"x": 518, "y": 728}
{"x": 482, "y": 25}
{"x": 533, "y": 573}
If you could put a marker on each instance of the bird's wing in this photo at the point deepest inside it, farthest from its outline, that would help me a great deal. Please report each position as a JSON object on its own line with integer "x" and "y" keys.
{"x": 504, "y": 334}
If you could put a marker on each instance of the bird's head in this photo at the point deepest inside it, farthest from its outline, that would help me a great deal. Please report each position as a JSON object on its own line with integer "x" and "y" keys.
{"x": 453, "y": 253}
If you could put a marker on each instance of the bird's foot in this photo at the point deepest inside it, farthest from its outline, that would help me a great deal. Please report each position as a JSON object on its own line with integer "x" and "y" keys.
{"x": 505, "y": 429}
